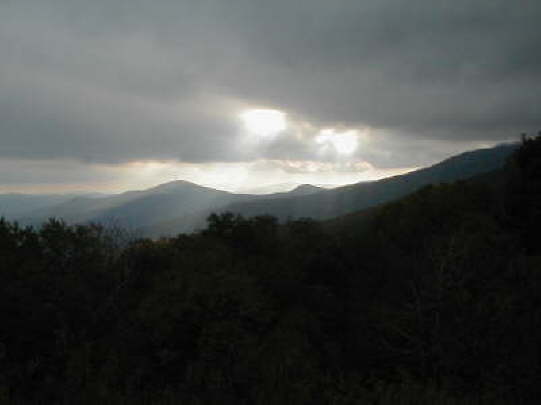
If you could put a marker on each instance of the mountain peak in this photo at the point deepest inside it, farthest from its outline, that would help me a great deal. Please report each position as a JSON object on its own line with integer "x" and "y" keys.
{"x": 305, "y": 189}
{"x": 175, "y": 185}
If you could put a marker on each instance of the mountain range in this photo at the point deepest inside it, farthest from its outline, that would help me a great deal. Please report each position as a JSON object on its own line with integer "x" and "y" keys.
{"x": 181, "y": 206}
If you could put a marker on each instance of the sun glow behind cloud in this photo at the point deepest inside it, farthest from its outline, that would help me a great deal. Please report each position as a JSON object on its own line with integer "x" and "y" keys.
{"x": 312, "y": 154}
{"x": 264, "y": 122}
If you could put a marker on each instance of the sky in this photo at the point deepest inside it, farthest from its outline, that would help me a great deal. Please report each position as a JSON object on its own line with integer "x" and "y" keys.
{"x": 248, "y": 95}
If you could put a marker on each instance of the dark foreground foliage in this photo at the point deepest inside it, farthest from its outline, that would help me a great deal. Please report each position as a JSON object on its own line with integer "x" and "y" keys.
{"x": 434, "y": 300}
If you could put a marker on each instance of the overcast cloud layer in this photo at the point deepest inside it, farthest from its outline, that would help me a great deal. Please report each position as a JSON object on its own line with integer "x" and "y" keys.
{"x": 119, "y": 81}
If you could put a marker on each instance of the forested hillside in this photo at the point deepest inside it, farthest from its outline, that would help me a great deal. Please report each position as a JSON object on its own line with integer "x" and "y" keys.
{"x": 432, "y": 299}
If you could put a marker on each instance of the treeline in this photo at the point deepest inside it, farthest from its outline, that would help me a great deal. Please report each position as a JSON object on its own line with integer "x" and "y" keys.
{"x": 435, "y": 298}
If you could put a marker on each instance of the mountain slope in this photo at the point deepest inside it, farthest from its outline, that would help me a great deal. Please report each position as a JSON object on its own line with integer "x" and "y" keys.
{"x": 197, "y": 219}
{"x": 327, "y": 204}
{"x": 139, "y": 208}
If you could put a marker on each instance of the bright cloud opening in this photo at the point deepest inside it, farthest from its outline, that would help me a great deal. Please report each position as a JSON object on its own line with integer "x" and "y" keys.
{"x": 264, "y": 122}
{"x": 344, "y": 143}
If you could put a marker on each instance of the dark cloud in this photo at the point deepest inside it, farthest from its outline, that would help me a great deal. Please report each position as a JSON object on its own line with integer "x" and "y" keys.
{"x": 117, "y": 80}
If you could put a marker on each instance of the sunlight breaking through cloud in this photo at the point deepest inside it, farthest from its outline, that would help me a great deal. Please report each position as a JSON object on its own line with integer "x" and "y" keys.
{"x": 344, "y": 143}
{"x": 264, "y": 122}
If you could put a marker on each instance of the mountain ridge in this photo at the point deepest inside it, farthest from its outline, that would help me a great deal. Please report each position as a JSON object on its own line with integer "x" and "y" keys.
{"x": 327, "y": 204}
{"x": 183, "y": 206}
